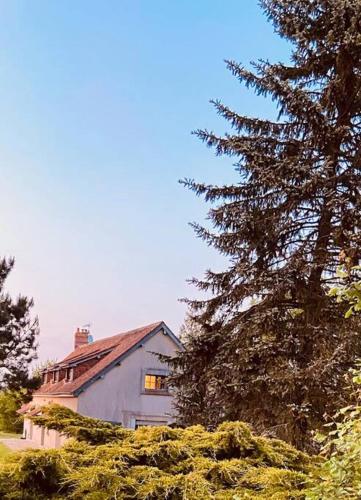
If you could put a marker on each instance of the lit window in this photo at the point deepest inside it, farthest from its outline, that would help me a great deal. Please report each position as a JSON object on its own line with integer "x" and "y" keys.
{"x": 155, "y": 383}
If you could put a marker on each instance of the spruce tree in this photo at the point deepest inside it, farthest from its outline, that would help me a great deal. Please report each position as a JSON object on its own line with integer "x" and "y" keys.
{"x": 18, "y": 331}
{"x": 273, "y": 347}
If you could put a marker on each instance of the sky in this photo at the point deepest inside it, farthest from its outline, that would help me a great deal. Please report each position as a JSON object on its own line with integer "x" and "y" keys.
{"x": 98, "y": 100}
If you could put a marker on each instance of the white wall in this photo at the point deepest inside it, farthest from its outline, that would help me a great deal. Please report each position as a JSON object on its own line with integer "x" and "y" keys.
{"x": 41, "y": 437}
{"x": 118, "y": 396}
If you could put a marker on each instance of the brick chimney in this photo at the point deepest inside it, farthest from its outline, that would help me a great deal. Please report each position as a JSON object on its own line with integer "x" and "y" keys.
{"x": 81, "y": 337}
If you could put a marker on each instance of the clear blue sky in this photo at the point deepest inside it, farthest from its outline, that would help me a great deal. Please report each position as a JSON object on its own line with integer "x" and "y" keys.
{"x": 97, "y": 103}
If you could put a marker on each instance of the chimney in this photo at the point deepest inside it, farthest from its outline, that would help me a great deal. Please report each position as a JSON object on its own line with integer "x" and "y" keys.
{"x": 81, "y": 337}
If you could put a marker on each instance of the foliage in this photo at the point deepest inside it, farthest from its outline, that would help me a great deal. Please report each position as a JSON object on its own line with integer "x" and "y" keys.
{"x": 10, "y": 402}
{"x": 351, "y": 293}
{"x": 18, "y": 331}
{"x": 189, "y": 328}
{"x": 280, "y": 361}
{"x": 340, "y": 475}
{"x": 155, "y": 462}
{"x": 91, "y": 430}
{"x": 36, "y": 374}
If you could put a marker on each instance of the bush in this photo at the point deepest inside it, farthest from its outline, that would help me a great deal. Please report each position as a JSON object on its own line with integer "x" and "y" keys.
{"x": 339, "y": 475}
{"x": 10, "y": 402}
{"x": 154, "y": 463}
{"x": 92, "y": 430}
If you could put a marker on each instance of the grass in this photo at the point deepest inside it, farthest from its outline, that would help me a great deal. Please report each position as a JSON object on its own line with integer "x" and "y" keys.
{"x": 4, "y": 450}
{"x": 7, "y": 435}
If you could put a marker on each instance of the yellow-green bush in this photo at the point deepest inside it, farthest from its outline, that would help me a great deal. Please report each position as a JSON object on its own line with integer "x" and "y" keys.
{"x": 109, "y": 462}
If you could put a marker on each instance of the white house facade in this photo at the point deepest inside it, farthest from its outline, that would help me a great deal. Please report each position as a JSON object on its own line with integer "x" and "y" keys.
{"x": 118, "y": 379}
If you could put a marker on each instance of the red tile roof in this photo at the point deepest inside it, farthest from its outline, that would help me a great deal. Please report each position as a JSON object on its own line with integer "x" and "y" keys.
{"x": 24, "y": 408}
{"x": 116, "y": 345}
{"x": 29, "y": 409}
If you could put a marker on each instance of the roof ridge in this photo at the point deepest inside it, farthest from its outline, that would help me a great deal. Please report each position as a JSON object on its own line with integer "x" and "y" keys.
{"x": 87, "y": 350}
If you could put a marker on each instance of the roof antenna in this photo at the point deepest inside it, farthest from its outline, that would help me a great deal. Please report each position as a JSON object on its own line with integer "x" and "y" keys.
{"x": 90, "y": 337}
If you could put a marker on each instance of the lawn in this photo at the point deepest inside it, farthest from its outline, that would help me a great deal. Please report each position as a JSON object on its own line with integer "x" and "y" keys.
{"x": 6, "y": 435}
{"x": 3, "y": 451}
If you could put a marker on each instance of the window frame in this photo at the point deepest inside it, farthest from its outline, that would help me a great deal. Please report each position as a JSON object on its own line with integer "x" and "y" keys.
{"x": 69, "y": 374}
{"x": 160, "y": 372}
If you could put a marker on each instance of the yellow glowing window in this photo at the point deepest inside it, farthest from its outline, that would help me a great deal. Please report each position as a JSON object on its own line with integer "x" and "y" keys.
{"x": 155, "y": 383}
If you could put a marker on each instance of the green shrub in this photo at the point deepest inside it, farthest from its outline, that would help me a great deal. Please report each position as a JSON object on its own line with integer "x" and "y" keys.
{"x": 107, "y": 462}
{"x": 91, "y": 430}
{"x": 339, "y": 476}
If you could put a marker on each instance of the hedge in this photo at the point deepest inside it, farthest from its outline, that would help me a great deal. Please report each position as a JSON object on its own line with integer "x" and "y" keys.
{"x": 107, "y": 462}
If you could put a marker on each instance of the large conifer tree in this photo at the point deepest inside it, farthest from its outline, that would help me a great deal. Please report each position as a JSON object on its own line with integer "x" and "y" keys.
{"x": 272, "y": 347}
{"x": 18, "y": 331}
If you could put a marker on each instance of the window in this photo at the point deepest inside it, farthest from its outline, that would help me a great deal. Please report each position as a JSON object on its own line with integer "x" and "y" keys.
{"x": 149, "y": 423}
{"x": 69, "y": 374}
{"x": 155, "y": 383}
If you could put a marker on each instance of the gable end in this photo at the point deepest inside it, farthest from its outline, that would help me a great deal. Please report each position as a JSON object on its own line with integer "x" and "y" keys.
{"x": 121, "y": 357}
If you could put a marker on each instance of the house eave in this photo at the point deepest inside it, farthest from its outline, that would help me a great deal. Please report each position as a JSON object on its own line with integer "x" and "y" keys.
{"x": 55, "y": 394}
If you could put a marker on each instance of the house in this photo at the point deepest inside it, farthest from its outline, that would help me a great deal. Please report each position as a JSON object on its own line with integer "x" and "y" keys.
{"x": 118, "y": 379}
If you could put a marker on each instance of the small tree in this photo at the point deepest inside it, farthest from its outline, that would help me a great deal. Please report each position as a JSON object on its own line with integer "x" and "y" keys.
{"x": 10, "y": 402}
{"x": 12, "y": 399}
{"x": 18, "y": 331}
{"x": 36, "y": 373}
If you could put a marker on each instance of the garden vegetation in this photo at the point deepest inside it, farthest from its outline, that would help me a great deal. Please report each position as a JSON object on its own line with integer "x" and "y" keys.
{"x": 272, "y": 348}
{"x": 106, "y": 461}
